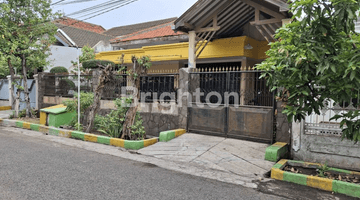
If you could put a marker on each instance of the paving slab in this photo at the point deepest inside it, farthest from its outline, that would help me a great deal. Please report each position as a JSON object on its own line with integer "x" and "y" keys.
{"x": 5, "y": 114}
{"x": 231, "y": 155}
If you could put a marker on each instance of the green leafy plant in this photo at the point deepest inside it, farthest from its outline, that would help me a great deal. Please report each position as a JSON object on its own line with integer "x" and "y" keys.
{"x": 138, "y": 130}
{"x": 58, "y": 69}
{"x": 93, "y": 64}
{"x": 78, "y": 127}
{"x": 86, "y": 100}
{"x": 112, "y": 123}
{"x": 316, "y": 58}
{"x": 322, "y": 169}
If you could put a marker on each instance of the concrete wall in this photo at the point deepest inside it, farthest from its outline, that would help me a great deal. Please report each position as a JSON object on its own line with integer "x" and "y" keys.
{"x": 4, "y": 103}
{"x": 62, "y": 56}
{"x": 315, "y": 148}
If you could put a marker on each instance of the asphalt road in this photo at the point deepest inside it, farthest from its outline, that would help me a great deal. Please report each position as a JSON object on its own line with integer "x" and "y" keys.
{"x": 32, "y": 168}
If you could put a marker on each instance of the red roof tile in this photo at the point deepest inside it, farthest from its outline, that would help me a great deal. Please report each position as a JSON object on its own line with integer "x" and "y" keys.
{"x": 153, "y": 32}
{"x": 80, "y": 24}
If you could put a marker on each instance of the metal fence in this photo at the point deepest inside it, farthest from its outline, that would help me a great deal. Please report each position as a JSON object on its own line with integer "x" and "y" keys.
{"x": 232, "y": 86}
{"x": 66, "y": 85}
{"x": 322, "y": 124}
{"x": 113, "y": 90}
{"x": 159, "y": 86}
{"x": 4, "y": 89}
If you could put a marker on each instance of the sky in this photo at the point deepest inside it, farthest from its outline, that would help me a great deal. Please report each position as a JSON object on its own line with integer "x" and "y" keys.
{"x": 136, "y": 12}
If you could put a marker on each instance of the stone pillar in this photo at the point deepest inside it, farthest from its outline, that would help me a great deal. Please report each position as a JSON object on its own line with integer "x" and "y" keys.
{"x": 283, "y": 127}
{"x": 192, "y": 49}
{"x": 36, "y": 77}
{"x": 183, "y": 97}
{"x": 40, "y": 89}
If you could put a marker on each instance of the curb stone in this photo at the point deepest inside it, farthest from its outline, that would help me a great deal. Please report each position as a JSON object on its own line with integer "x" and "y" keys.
{"x": 276, "y": 151}
{"x": 166, "y": 136}
{"x": 134, "y": 145}
{"x": 350, "y": 189}
{"x": 5, "y": 108}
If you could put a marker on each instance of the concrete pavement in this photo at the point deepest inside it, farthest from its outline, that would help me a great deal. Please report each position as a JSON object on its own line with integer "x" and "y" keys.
{"x": 5, "y": 114}
{"x": 84, "y": 189}
{"x": 240, "y": 157}
{"x": 32, "y": 167}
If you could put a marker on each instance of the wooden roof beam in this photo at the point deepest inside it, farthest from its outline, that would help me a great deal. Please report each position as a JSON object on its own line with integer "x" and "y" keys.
{"x": 264, "y": 9}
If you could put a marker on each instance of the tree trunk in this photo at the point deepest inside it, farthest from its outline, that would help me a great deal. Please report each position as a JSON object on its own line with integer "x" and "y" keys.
{"x": 129, "y": 121}
{"x": 131, "y": 113}
{"x": 12, "y": 75}
{"x": 26, "y": 89}
{"x": 105, "y": 77}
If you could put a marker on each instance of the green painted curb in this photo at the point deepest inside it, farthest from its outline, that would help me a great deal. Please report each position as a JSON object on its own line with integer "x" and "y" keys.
{"x": 78, "y": 135}
{"x": 300, "y": 179}
{"x": 135, "y": 145}
{"x": 349, "y": 189}
{"x": 340, "y": 170}
{"x": 166, "y": 136}
{"x": 103, "y": 140}
{"x": 34, "y": 127}
{"x": 274, "y": 152}
{"x": 277, "y": 166}
{"x": 341, "y": 187}
{"x": 19, "y": 124}
{"x": 54, "y": 131}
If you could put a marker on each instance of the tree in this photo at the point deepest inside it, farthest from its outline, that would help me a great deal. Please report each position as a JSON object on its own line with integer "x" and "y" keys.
{"x": 88, "y": 53}
{"x": 140, "y": 67}
{"x": 316, "y": 58}
{"x": 26, "y": 34}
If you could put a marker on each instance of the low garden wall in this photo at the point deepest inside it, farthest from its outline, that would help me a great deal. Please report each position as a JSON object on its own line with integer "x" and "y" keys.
{"x": 321, "y": 149}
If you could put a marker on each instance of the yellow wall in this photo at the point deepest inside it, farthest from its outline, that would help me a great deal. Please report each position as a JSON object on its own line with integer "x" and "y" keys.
{"x": 229, "y": 47}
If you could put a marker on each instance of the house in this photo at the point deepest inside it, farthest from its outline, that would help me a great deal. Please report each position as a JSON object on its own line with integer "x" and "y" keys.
{"x": 125, "y": 30}
{"x": 71, "y": 36}
{"x": 67, "y": 21}
{"x": 223, "y": 41}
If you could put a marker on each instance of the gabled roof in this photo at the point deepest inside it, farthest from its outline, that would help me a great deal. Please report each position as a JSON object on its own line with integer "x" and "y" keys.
{"x": 125, "y": 30}
{"x": 81, "y": 37}
{"x": 80, "y": 24}
{"x": 162, "y": 30}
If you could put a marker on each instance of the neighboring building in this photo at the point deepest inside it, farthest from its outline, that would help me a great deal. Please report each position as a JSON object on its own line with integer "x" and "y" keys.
{"x": 80, "y": 24}
{"x": 68, "y": 39}
{"x": 125, "y": 30}
{"x": 357, "y": 26}
{"x": 156, "y": 35}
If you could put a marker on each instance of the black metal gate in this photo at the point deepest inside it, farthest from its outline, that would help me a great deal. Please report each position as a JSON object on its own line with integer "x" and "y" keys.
{"x": 231, "y": 103}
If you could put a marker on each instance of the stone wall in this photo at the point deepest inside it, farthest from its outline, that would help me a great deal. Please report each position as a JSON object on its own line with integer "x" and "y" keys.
{"x": 283, "y": 127}
{"x": 4, "y": 103}
{"x": 154, "y": 123}
{"x": 321, "y": 149}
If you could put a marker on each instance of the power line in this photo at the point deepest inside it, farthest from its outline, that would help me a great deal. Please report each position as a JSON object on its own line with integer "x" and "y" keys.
{"x": 95, "y": 7}
{"x": 56, "y": 2}
{"x": 106, "y": 7}
{"x": 111, "y": 9}
{"x": 74, "y": 2}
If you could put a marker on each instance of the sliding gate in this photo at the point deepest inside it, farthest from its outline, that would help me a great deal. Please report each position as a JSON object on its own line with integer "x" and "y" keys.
{"x": 231, "y": 103}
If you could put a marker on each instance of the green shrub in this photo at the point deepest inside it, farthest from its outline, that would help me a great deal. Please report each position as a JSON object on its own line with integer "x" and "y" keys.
{"x": 86, "y": 100}
{"x": 93, "y": 64}
{"x": 112, "y": 124}
{"x": 59, "y": 69}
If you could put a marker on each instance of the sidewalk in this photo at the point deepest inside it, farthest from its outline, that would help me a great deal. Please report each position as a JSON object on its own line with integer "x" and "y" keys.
{"x": 235, "y": 156}
{"x": 5, "y": 114}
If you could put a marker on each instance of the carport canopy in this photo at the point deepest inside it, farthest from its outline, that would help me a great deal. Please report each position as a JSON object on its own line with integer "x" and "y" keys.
{"x": 208, "y": 20}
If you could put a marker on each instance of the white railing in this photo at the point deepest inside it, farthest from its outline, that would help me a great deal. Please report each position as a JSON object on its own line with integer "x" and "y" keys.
{"x": 322, "y": 125}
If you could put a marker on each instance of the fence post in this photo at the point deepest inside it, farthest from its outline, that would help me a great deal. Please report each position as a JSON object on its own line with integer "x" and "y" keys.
{"x": 10, "y": 96}
{"x": 36, "y": 77}
{"x": 184, "y": 78}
